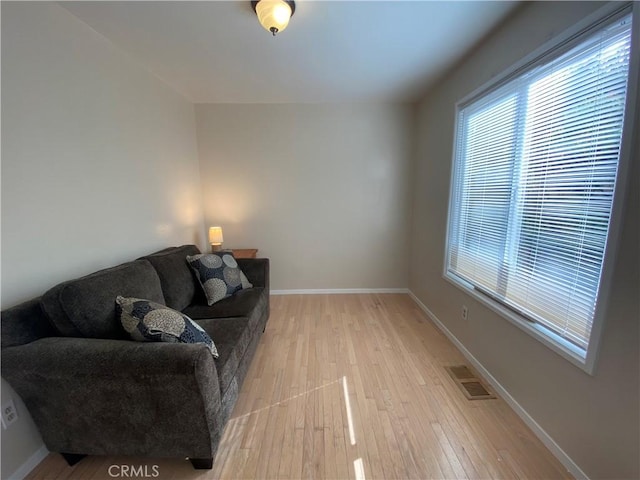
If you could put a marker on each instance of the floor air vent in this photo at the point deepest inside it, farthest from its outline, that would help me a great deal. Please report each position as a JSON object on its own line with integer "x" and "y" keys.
{"x": 469, "y": 384}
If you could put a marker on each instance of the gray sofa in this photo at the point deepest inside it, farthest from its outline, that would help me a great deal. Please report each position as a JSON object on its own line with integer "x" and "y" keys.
{"x": 93, "y": 391}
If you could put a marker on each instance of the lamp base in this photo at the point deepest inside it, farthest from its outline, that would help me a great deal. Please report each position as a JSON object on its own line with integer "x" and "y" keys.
{"x": 216, "y": 247}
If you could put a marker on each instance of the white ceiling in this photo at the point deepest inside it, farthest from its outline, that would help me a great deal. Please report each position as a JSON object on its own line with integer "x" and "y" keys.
{"x": 332, "y": 51}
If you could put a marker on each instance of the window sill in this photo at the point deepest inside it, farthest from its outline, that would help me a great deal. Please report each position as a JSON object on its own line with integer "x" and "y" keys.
{"x": 554, "y": 342}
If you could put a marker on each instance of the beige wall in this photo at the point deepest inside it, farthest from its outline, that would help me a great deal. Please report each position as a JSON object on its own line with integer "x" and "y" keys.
{"x": 322, "y": 190}
{"x": 99, "y": 165}
{"x": 594, "y": 419}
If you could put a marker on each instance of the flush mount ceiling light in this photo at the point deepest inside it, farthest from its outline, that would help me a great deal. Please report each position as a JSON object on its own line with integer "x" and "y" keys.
{"x": 274, "y": 15}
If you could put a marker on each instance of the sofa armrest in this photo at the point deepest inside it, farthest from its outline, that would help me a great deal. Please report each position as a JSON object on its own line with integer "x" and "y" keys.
{"x": 94, "y": 396}
{"x": 256, "y": 270}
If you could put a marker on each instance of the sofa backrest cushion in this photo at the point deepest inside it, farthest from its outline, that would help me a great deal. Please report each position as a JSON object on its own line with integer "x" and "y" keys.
{"x": 179, "y": 284}
{"x": 85, "y": 307}
{"x": 24, "y": 323}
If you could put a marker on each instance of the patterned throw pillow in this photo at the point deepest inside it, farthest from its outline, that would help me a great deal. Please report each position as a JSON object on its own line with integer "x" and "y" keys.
{"x": 147, "y": 321}
{"x": 218, "y": 274}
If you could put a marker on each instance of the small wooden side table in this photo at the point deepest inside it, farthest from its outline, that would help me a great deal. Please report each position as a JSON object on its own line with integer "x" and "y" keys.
{"x": 245, "y": 252}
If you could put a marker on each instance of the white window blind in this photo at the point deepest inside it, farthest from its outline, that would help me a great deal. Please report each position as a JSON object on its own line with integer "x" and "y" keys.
{"x": 535, "y": 167}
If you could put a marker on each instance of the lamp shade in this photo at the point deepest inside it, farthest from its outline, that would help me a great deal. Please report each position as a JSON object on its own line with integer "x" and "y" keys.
{"x": 215, "y": 236}
{"x": 274, "y": 15}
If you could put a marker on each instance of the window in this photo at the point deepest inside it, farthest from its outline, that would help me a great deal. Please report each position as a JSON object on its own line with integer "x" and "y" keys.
{"x": 535, "y": 165}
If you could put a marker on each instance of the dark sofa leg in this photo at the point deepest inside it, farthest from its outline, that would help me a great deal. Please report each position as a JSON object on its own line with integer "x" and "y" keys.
{"x": 72, "y": 458}
{"x": 202, "y": 463}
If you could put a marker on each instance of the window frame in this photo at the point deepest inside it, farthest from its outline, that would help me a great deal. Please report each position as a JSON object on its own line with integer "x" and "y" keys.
{"x": 545, "y": 53}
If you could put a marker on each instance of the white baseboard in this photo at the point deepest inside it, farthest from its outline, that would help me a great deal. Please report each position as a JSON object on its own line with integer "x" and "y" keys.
{"x": 544, "y": 437}
{"x": 30, "y": 464}
{"x": 332, "y": 291}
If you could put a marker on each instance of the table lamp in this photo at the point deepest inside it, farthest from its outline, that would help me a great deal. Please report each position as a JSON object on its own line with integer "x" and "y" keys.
{"x": 215, "y": 238}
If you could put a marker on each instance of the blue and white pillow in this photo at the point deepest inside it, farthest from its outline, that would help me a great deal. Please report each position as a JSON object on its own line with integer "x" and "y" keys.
{"x": 147, "y": 321}
{"x": 218, "y": 274}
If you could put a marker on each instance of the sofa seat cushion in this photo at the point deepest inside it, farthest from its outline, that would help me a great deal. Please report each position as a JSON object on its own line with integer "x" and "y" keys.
{"x": 232, "y": 336}
{"x": 240, "y": 304}
{"x": 179, "y": 284}
{"x": 85, "y": 307}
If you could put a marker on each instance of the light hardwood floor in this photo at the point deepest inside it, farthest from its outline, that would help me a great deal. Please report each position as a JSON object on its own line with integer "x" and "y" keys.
{"x": 352, "y": 386}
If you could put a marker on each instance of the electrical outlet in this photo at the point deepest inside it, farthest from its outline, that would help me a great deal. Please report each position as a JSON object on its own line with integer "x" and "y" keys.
{"x": 9, "y": 414}
{"x": 465, "y": 312}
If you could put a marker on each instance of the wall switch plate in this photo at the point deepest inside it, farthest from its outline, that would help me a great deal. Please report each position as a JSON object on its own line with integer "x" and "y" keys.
{"x": 465, "y": 312}
{"x": 9, "y": 414}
